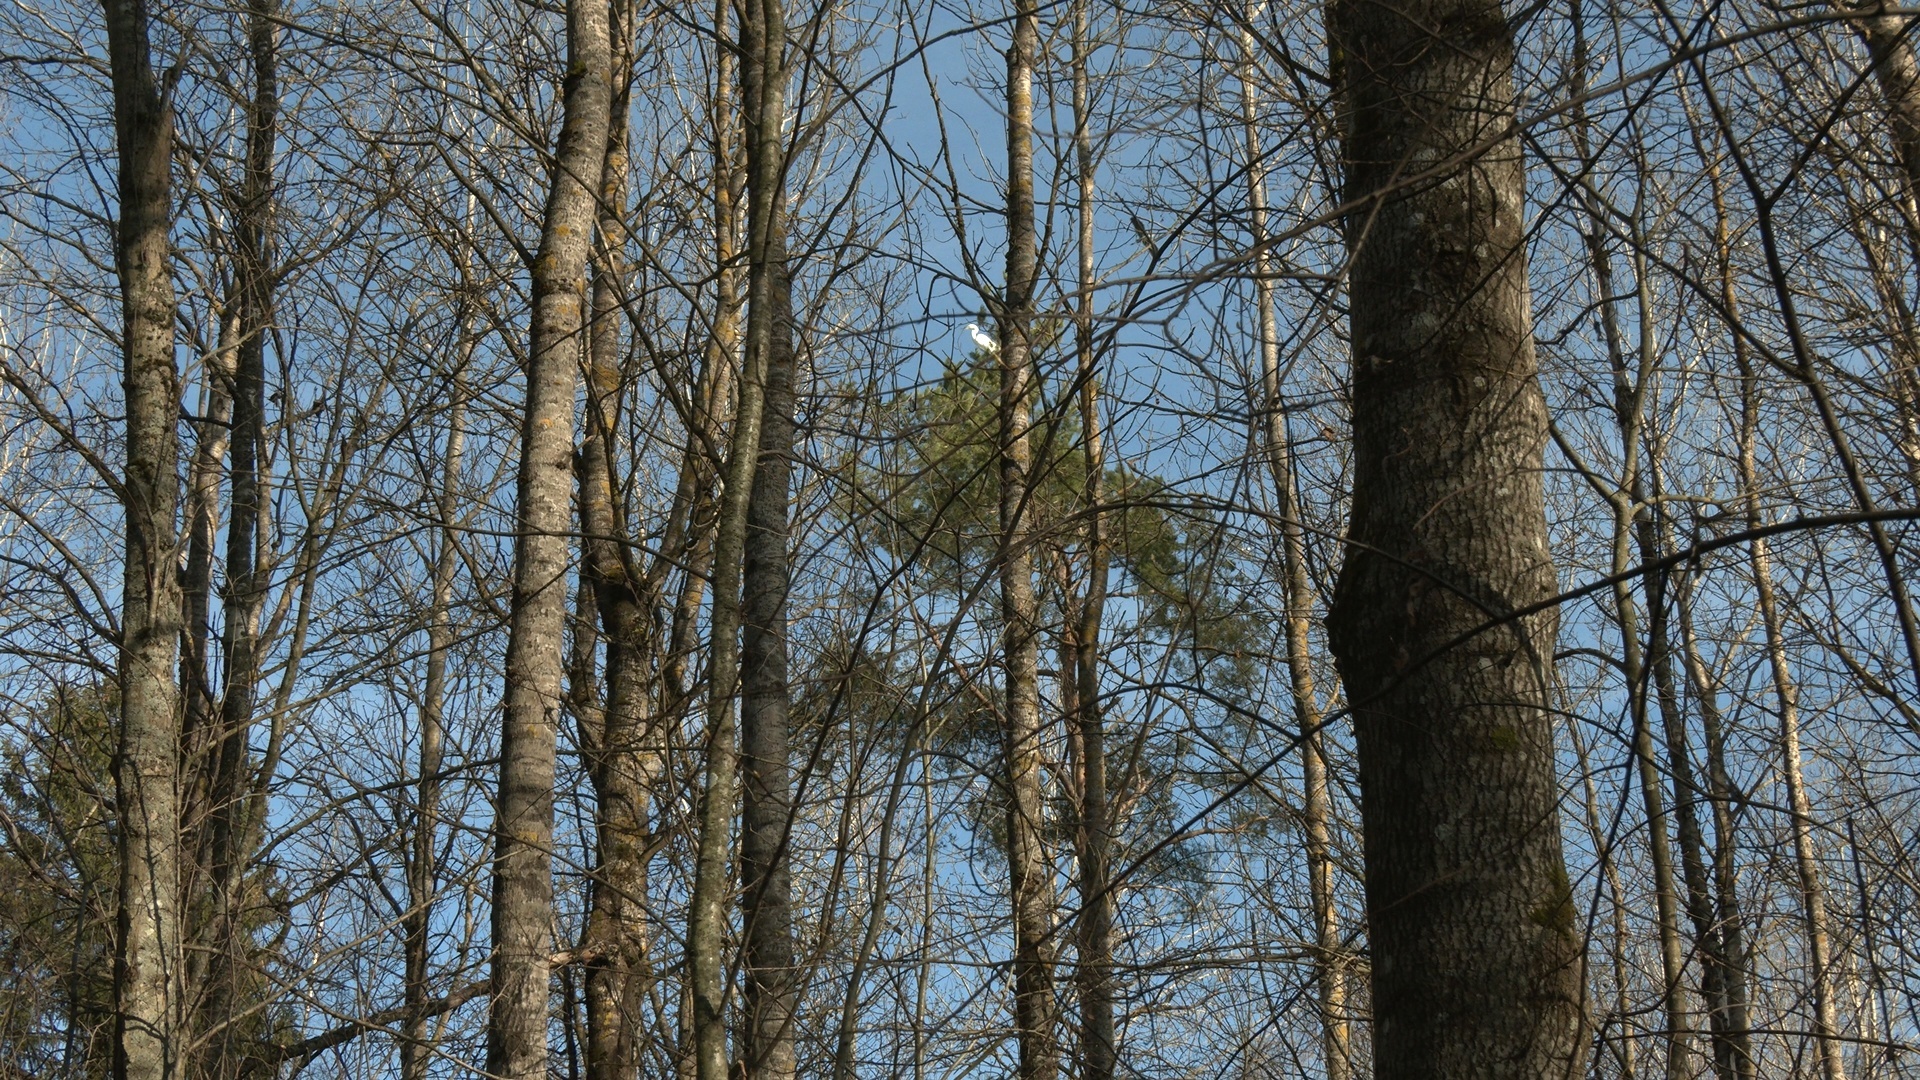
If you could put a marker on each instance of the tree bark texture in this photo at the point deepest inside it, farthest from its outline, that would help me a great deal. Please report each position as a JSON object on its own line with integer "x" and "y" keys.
{"x": 148, "y": 990}
{"x": 1477, "y": 957}
{"x": 707, "y": 919}
{"x": 621, "y": 759}
{"x": 1889, "y": 40}
{"x": 422, "y": 858}
{"x": 1099, "y": 1041}
{"x": 523, "y": 829}
{"x": 772, "y": 992}
{"x": 224, "y": 844}
{"x": 1030, "y": 873}
{"x": 1316, "y": 812}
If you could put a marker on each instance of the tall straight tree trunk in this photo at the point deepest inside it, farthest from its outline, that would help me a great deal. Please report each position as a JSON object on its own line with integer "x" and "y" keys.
{"x": 692, "y": 540}
{"x": 1329, "y": 968}
{"x": 202, "y": 523}
{"x": 1099, "y": 1047}
{"x": 1477, "y": 956}
{"x": 244, "y": 595}
{"x": 523, "y": 828}
{"x": 1733, "y": 1052}
{"x": 415, "y": 1052}
{"x": 707, "y": 917}
{"x": 1813, "y": 897}
{"x": 1630, "y": 510}
{"x": 148, "y": 990}
{"x": 1736, "y": 1048}
{"x": 621, "y": 762}
{"x": 1030, "y": 873}
{"x": 767, "y": 1042}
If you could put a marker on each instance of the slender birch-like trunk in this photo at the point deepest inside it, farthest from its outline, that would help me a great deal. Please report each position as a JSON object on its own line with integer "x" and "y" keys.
{"x": 523, "y": 829}
{"x": 422, "y": 857}
{"x": 622, "y": 760}
{"x": 227, "y": 829}
{"x": 1030, "y": 872}
{"x": 1099, "y": 1042}
{"x": 707, "y": 917}
{"x": 1329, "y": 966}
{"x": 1813, "y": 896}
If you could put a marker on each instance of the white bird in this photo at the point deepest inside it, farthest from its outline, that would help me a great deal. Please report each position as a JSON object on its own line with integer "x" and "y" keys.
{"x": 982, "y": 339}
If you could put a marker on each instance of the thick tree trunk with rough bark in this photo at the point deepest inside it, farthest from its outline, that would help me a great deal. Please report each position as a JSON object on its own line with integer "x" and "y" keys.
{"x": 523, "y": 828}
{"x": 1474, "y": 932}
{"x": 1030, "y": 873}
{"x": 148, "y": 991}
{"x": 767, "y": 1041}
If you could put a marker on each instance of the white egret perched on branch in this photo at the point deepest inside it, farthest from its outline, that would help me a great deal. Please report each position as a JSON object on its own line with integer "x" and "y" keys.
{"x": 983, "y": 340}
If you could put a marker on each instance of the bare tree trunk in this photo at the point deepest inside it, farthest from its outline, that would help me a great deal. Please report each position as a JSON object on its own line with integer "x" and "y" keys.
{"x": 1476, "y": 949}
{"x": 1628, "y": 502}
{"x": 695, "y": 548}
{"x": 1625, "y": 1055}
{"x": 707, "y": 929}
{"x": 1733, "y": 1052}
{"x": 1099, "y": 1046}
{"x": 1329, "y": 964}
{"x": 415, "y": 1053}
{"x": 622, "y": 761}
{"x": 1886, "y": 32}
{"x": 1813, "y": 898}
{"x": 244, "y": 595}
{"x": 1030, "y": 872}
{"x": 148, "y": 990}
{"x": 202, "y": 521}
{"x": 767, "y": 1041}
{"x": 523, "y": 830}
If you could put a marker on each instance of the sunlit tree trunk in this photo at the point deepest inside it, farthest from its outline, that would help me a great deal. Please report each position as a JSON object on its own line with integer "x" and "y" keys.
{"x": 148, "y": 990}
{"x": 523, "y": 829}
{"x": 1099, "y": 1047}
{"x": 1474, "y": 932}
{"x": 619, "y": 736}
{"x": 712, "y": 886}
{"x": 422, "y": 857}
{"x": 224, "y": 841}
{"x": 1329, "y": 967}
{"x": 1029, "y": 870}
{"x": 1813, "y": 896}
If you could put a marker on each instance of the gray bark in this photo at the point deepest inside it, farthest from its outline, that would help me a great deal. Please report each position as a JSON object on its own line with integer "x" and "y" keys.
{"x": 1316, "y": 812}
{"x": 621, "y": 758}
{"x": 422, "y": 864}
{"x": 1477, "y": 955}
{"x": 148, "y": 988}
{"x": 1030, "y": 872}
{"x": 224, "y": 845}
{"x": 767, "y": 1041}
{"x": 1099, "y": 1049}
{"x": 1888, "y": 37}
{"x": 707, "y": 918}
{"x": 523, "y": 829}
